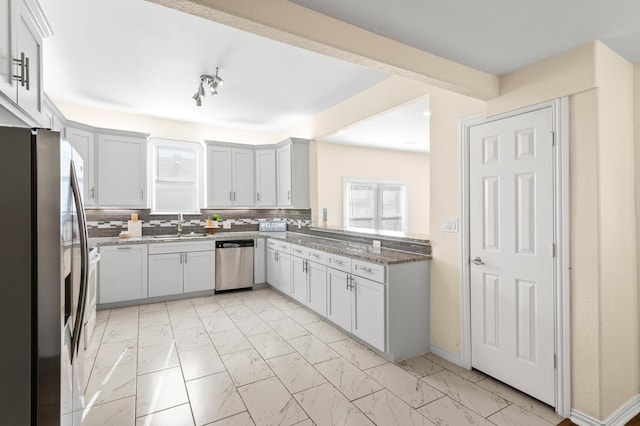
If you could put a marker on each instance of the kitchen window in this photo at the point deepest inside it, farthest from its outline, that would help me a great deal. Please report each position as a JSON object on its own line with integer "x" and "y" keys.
{"x": 377, "y": 205}
{"x": 176, "y": 169}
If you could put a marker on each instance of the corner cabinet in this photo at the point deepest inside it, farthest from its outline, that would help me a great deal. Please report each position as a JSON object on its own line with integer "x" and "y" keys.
{"x": 122, "y": 170}
{"x": 123, "y": 273}
{"x": 230, "y": 172}
{"x": 292, "y": 166}
{"x": 22, "y": 29}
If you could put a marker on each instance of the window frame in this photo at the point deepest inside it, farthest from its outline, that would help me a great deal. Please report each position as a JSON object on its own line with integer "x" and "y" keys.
{"x": 198, "y": 149}
{"x": 377, "y": 219}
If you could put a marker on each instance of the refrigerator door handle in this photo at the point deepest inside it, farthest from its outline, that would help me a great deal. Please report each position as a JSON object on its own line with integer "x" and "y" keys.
{"x": 84, "y": 262}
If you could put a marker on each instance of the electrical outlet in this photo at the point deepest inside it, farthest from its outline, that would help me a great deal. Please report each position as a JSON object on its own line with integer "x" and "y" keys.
{"x": 376, "y": 243}
{"x": 299, "y": 224}
{"x": 450, "y": 225}
{"x": 226, "y": 224}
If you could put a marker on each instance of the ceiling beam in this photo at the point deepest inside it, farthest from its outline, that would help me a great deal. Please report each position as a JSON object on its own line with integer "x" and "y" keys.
{"x": 290, "y": 23}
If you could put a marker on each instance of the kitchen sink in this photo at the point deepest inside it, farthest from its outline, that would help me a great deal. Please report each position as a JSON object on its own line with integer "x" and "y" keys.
{"x": 179, "y": 237}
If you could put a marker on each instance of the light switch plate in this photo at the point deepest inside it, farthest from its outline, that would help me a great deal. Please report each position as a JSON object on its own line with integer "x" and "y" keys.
{"x": 376, "y": 243}
{"x": 450, "y": 224}
{"x": 226, "y": 224}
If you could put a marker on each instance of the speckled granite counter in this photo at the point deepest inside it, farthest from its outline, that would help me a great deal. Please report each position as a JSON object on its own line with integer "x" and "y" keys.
{"x": 344, "y": 248}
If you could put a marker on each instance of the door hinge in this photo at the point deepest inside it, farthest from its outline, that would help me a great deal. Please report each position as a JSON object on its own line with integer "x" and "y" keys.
{"x": 553, "y": 138}
{"x": 555, "y": 361}
{"x": 553, "y": 249}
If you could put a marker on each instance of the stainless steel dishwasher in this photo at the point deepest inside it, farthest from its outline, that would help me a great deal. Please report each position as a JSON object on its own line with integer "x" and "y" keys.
{"x": 234, "y": 264}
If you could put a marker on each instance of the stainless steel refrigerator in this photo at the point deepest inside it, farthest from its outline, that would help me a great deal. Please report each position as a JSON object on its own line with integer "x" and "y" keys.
{"x": 44, "y": 258}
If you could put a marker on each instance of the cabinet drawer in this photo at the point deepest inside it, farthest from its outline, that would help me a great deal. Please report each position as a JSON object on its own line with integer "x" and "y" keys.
{"x": 339, "y": 262}
{"x": 299, "y": 251}
{"x": 318, "y": 256}
{"x": 372, "y": 271}
{"x": 187, "y": 246}
{"x": 283, "y": 246}
{"x": 272, "y": 244}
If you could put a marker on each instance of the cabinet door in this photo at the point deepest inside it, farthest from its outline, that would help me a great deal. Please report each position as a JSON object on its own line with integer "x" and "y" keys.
{"x": 299, "y": 279}
{"x": 199, "y": 271}
{"x": 122, "y": 165}
{"x": 339, "y": 298}
{"x": 368, "y": 321}
{"x": 83, "y": 142}
{"x": 317, "y": 277}
{"x": 123, "y": 273}
{"x": 219, "y": 182}
{"x": 165, "y": 274}
{"x": 29, "y": 42}
{"x": 243, "y": 178}
{"x": 7, "y": 85}
{"x": 273, "y": 269}
{"x": 266, "y": 177}
{"x": 284, "y": 260}
{"x": 283, "y": 167}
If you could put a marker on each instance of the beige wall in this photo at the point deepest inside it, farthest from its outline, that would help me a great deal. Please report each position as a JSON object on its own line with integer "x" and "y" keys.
{"x": 604, "y": 289}
{"x": 336, "y": 162}
{"x": 447, "y": 109}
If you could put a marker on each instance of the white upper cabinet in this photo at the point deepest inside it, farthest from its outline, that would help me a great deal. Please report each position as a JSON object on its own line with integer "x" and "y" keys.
{"x": 220, "y": 182}
{"x": 83, "y": 142}
{"x": 243, "y": 169}
{"x": 292, "y": 165}
{"x": 22, "y": 29}
{"x": 230, "y": 172}
{"x": 266, "y": 177}
{"x": 122, "y": 171}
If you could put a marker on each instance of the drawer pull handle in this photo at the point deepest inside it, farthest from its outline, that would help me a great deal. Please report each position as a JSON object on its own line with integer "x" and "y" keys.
{"x": 124, "y": 248}
{"x": 364, "y": 268}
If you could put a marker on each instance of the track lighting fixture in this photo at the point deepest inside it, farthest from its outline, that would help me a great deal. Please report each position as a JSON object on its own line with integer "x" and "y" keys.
{"x": 212, "y": 81}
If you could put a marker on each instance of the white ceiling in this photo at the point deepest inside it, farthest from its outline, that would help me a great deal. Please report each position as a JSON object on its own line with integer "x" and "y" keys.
{"x": 137, "y": 57}
{"x": 495, "y": 36}
{"x": 405, "y": 128}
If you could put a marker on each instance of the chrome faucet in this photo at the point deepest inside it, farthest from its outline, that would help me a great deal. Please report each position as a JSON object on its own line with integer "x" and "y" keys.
{"x": 180, "y": 220}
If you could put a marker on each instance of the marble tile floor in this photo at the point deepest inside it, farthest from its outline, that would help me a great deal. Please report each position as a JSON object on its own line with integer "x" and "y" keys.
{"x": 256, "y": 358}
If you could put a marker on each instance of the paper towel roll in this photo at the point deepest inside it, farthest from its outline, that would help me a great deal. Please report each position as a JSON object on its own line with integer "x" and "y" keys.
{"x": 135, "y": 228}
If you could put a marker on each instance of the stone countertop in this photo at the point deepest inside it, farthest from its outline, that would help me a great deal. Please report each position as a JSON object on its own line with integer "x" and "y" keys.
{"x": 344, "y": 248}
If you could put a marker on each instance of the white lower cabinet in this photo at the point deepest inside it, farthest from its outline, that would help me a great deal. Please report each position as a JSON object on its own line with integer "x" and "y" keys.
{"x": 284, "y": 263}
{"x": 367, "y": 315}
{"x": 165, "y": 274}
{"x": 299, "y": 277}
{"x": 317, "y": 290}
{"x": 357, "y": 305}
{"x": 123, "y": 273}
{"x": 273, "y": 271}
{"x": 279, "y": 266}
{"x": 176, "y": 268}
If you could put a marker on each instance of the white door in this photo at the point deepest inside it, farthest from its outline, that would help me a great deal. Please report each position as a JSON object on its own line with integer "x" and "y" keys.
{"x": 165, "y": 274}
{"x": 299, "y": 279}
{"x": 219, "y": 182}
{"x": 122, "y": 171}
{"x": 266, "y": 177}
{"x": 243, "y": 181}
{"x": 199, "y": 271}
{"x": 338, "y": 298}
{"x": 511, "y": 250}
{"x": 284, "y": 261}
{"x": 273, "y": 269}
{"x": 82, "y": 141}
{"x": 367, "y": 317}
{"x": 283, "y": 167}
{"x": 317, "y": 287}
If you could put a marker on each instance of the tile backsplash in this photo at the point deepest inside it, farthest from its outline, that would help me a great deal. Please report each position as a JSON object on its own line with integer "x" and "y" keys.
{"x": 109, "y": 223}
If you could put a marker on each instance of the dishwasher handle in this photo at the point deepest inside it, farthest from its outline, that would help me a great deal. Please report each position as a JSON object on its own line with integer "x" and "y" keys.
{"x": 234, "y": 244}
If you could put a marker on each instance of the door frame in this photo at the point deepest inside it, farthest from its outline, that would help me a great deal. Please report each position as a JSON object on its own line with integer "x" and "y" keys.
{"x": 560, "y": 110}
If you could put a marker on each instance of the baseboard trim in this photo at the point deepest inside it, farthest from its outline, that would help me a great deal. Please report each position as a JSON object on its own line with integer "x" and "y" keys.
{"x": 620, "y": 417}
{"x": 446, "y": 354}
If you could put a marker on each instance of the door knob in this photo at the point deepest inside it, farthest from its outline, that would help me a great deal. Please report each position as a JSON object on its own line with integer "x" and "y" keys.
{"x": 477, "y": 261}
